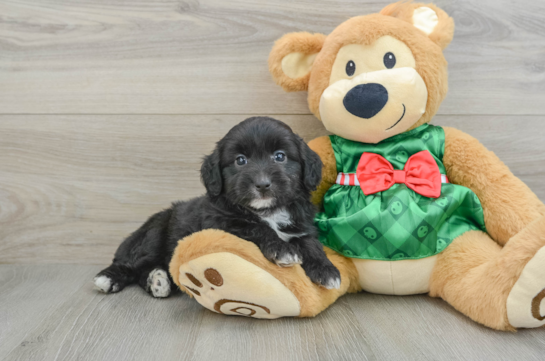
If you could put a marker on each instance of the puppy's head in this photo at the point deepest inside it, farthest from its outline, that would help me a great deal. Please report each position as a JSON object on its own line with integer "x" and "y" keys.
{"x": 261, "y": 164}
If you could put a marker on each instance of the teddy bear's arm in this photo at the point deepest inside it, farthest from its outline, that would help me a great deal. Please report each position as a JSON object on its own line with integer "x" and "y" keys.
{"x": 509, "y": 205}
{"x": 322, "y": 146}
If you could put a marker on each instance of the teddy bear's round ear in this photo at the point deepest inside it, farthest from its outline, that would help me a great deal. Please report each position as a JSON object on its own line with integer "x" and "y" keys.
{"x": 434, "y": 22}
{"x": 291, "y": 59}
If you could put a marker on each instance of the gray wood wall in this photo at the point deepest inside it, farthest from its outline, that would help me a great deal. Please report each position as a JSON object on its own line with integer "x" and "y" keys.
{"x": 107, "y": 107}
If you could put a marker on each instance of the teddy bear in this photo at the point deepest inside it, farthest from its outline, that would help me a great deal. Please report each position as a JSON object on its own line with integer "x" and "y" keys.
{"x": 406, "y": 207}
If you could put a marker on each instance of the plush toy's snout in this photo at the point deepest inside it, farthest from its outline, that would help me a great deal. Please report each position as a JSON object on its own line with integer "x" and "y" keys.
{"x": 366, "y": 100}
{"x": 374, "y": 105}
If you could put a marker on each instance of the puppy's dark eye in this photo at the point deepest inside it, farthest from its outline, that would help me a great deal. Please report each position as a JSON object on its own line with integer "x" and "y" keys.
{"x": 350, "y": 68}
{"x": 389, "y": 60}
{"x": 280, "y": 156}
{"x": 241, "y": 160}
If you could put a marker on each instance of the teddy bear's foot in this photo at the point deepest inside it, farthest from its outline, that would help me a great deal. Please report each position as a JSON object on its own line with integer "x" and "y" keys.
{"x": 500, "y": 287}
{"x": 231, "y": 276}
{"x": 526, "y": 301}
{"x": 227, "y": 284}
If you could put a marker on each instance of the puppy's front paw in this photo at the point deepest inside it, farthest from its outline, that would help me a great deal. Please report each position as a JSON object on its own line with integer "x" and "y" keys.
{"x": 288, "y": 259}
{"x": 283, "y": 254}
{"x": 327, "y": 276}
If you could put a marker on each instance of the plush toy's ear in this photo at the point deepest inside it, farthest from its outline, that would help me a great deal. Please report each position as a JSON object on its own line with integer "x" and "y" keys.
{"x": 434, "y": 22}
{"x": 291, "y": 59}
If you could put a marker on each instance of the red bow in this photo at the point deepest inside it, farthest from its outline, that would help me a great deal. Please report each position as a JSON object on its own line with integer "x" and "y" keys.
{"x": 421, "y": 174}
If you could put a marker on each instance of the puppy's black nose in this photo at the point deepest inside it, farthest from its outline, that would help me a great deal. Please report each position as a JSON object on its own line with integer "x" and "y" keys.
{"x": 263, "y": 184}
{"x": 366, "y": 100}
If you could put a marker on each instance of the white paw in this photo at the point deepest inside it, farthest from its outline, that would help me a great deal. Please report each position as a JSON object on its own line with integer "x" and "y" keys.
{"x": 288, "y": 260}
{"x": 158, "y": 283}
{"x": 104, "y": 284}
{"x": 331, "y": 283}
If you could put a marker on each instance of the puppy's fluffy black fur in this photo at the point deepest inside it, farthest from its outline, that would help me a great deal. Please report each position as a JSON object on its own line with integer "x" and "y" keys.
{"x": 258, "y": 182}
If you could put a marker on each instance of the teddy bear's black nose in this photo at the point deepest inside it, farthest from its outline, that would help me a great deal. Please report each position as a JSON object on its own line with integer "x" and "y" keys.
{"x": 366, "y": 100}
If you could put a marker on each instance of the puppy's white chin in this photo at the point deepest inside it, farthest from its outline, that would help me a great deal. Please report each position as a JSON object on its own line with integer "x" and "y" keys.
{"x": 260, "y": 203}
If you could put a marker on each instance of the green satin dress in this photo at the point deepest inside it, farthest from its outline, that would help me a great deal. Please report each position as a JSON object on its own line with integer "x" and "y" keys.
{"x": 397, "y": 223}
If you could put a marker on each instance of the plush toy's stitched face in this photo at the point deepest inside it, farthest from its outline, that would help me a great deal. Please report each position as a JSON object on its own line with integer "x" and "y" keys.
{"x": 375, "y": 89}
{"x": 374, "y": 76}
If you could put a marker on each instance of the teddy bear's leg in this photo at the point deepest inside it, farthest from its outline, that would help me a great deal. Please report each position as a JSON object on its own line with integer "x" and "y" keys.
{"x": 502, "y": 288}
{"x": 230, "y": 276}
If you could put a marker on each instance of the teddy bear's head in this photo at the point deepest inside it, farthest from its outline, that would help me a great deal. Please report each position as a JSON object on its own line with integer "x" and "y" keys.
{"x": 374, "y": 76}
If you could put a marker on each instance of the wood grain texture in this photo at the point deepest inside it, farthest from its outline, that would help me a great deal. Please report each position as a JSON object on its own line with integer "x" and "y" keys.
{"x": 331, "y": 336}
{"x": 423, "y": 328}
{"x": 30, "y": 295}
{"x": 132, "y": 325}
{"x": 52, "y": 313}
{"x": 72, "y": 187}
{"x": 210, "y": 56}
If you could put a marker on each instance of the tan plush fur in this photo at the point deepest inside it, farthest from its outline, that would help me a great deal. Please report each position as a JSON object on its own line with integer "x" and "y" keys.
{"x": 509, "y": 205}
{"x": 305, "y": 43}
{"x": 443, "y": 32}
{"x": 475, "y": 275}
{"x": 475, "y": 267}
{"x": 312, "y": 298}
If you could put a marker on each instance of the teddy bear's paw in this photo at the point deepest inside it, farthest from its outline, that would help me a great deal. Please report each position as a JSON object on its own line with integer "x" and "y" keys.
{"x": 228, "y": 284}
{"x": 526, "y": 301}
{"x": 158, "y": 284}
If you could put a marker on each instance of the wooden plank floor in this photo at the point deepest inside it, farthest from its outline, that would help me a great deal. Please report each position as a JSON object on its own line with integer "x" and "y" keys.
{"x": 210, "y": 56}
{"x": 51, "y": 312}
{"x": 106, "y": 110}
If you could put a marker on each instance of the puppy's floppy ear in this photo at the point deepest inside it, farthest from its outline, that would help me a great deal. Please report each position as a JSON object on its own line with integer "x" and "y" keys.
{"x": 211, "y": 174}
{"x": 312, "y": 166}
{"x": 291, "y": 59}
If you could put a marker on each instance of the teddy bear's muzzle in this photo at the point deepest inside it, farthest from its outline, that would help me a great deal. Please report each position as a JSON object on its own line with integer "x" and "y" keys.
{"x": 375, "y": 105}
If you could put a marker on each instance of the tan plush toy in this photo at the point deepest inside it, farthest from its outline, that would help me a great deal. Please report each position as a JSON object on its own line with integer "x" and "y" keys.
{"x": 407, "y": 207}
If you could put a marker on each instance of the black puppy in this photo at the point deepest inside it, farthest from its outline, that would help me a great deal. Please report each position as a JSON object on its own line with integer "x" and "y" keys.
{"x": 258, "y": 182}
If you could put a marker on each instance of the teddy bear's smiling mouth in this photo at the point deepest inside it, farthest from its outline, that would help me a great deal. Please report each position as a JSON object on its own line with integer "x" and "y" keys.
{"x": 402, "y": 115}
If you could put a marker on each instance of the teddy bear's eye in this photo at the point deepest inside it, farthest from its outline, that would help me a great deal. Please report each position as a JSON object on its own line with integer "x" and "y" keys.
{"x": 389, "y": 60}
{"x": 350, "y": 68}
